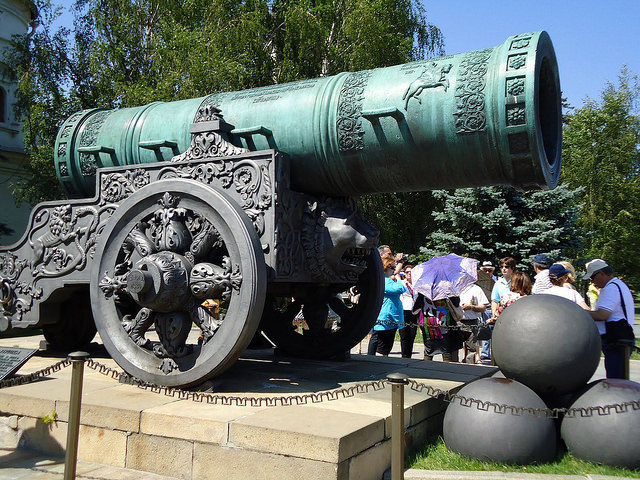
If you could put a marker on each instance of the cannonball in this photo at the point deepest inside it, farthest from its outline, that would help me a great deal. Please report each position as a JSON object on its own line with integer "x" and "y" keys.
{"x": 499, "y": 437}
{"x": 611, "y": 439}
{"x": 548, "y": 343}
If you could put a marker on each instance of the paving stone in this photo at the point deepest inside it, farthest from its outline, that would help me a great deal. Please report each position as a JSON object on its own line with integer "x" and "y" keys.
{"x": 119, "y": 407}
{"x": 374, "y": 407}
{"x": 190, "y": 420}
{"x": 316, "y": 433}
{"x": 213, "y": 462}
{"x": 165, "y": 456}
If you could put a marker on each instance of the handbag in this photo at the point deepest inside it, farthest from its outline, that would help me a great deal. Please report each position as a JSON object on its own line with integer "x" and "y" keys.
{"x": 484, "y": 332}
{"x": 457, "y": 313}
{"x": 620, "y": 330}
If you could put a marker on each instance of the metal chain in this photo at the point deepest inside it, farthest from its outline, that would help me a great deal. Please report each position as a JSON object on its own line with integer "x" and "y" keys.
{"x": 216, "y": 399}
{"x": 345, "y": 392}
{"x": 519, "y": 411}
{"x": 32, "y": 377}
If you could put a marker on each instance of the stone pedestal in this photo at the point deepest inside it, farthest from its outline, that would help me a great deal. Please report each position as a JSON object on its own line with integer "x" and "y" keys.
{"x": 125, "y": 426}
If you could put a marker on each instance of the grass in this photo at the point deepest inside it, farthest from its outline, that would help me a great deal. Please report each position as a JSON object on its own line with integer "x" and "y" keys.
{"x": 435, "y": 456}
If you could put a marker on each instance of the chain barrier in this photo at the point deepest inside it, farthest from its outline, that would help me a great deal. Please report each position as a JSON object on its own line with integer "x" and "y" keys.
{"x": 32, "y": 377}
{"x": 503, "y": 408}
{"x": 336, "y": 394}
{"x": 216, "y": 399}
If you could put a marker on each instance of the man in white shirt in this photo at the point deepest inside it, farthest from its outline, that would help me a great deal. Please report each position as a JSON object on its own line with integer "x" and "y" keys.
{"x": 615, "y": 303}
{"x": 541, "y": 264}
{"x": 473, "y": 302}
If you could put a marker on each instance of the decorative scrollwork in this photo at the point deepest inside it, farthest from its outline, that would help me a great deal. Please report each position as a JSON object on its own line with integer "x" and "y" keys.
{"x": 349, "y": 123}
{"x": 209, "y": 143}
{"x": 115, "y": 187}
{"x": 470, "y": 103}
{"x": 89, "y": 136}
{"x": 250, "y": 180}
{"x": 167, "y": 229}
{"x": 112, "y": 285}
{"x": 67, "y": 240}
{"x": 213, "y": 281}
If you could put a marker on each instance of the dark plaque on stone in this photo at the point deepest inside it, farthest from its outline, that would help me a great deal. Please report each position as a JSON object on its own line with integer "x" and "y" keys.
{"x": 11, "y": 359}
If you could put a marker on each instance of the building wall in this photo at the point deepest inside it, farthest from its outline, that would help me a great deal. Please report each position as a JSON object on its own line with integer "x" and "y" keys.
{"x": 15, "y": 18}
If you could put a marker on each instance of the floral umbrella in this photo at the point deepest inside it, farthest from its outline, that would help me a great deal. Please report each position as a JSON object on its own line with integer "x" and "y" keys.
{"x": 443, "y": 277}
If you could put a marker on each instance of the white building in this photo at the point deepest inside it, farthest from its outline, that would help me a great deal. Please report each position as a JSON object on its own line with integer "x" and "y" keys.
{"x": 15, "y": 18}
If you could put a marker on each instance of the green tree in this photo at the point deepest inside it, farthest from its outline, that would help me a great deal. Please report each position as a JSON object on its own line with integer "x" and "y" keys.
{"x": 489, "y": 223}
{"x": 404, "y": 219}
{"x": 601, "y": 154}
{"x": 122, "y": 53}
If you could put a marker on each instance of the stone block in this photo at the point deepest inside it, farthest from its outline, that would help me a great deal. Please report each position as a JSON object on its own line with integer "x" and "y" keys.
{"x": 315, "y": 433}
{"x": 119, "y": 407}
{"x": 49, "y": 438}
{"x": 213, "y": 462}
{"x": 372, "y": 463}
{"x": 94, "y": 444}
{"x": 101, "y": 445}
{"x": 37, "y": 399}
{"x": 189, "y": 420}
{"x": 164, "y": 456}
{"x": 418, "y": 435}
{"x": 9, "y": 433}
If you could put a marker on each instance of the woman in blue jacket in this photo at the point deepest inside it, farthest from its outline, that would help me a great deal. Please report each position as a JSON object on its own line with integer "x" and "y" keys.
{"x": 391, "y": 316}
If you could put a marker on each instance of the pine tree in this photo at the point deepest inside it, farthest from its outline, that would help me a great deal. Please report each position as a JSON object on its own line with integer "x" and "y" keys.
{"x": 489, "y": 223}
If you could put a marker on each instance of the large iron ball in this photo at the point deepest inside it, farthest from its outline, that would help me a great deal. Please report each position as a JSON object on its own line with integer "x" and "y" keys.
{"x": 613, "y": 438}
{"x": 499, "y": 437}
{"x": 548, "y": 343}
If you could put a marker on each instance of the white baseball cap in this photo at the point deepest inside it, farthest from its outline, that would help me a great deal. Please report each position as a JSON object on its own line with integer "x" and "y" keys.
{"x": 593, "y": 266}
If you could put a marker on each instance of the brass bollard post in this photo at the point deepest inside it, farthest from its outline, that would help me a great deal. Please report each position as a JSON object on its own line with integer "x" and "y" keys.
{"x": 626, "y": 355}
{"x": 73, "y": 428}
{"x": 397, "y": 381}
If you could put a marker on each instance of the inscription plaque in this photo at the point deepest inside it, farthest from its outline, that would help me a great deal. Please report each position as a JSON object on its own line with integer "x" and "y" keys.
{"x": 11, "y": 359}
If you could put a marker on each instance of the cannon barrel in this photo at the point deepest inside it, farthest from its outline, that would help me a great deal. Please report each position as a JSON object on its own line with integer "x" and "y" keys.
{"x": 485, "y": 117}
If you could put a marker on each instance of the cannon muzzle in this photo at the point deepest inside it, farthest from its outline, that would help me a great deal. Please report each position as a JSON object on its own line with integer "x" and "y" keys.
{"x": 480, "y": 118}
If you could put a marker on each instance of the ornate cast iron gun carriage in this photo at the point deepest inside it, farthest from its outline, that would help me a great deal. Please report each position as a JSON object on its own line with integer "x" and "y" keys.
{"x": 245, "y": 200}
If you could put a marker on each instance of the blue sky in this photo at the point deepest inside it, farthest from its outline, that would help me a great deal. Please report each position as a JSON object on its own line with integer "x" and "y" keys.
{"x": 593, "y": 39}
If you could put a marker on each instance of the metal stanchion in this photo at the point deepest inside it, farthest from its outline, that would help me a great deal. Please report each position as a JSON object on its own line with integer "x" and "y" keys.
{"x": 397, "y": 381}
{"x": 71, "y": 457}
{"x": 626, "y": 355}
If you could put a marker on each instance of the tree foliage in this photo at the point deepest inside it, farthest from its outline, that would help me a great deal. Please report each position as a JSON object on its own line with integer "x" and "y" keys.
{"x": 404, "y": 219}
{"x": 122, "y": 53}
{"x": 489, "y": 223}
{"x": 601, "y": 154}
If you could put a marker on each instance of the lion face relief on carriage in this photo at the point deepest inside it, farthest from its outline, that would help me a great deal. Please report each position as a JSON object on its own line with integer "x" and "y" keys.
{"x": 194, "y": 225}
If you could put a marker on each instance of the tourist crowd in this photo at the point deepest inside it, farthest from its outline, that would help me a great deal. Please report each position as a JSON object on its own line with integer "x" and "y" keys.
{"x": 464, "y": 322}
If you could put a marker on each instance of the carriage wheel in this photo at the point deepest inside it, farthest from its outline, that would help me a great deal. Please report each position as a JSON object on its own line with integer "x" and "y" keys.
{"x": 325, "y": 338}
{"x": 178, "y": 289}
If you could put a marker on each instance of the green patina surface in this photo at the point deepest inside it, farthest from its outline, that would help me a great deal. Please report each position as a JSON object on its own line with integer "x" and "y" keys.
{"x": 486, "y": 117}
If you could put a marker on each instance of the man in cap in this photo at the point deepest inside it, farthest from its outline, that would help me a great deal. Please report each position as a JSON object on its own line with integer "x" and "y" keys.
{"x": 488, "y": 268}
{"x": 615, "y": 304}
{"x": 541, "y": 264}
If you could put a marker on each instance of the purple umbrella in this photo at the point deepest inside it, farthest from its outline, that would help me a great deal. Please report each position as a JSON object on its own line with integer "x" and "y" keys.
{"x": 443, "y": 277}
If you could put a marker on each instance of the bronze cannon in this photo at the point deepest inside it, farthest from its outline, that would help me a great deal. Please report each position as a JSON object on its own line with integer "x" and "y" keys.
{"x": 200, "y": 222}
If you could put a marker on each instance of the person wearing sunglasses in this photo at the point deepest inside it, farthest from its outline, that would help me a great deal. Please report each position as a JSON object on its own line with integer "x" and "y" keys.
{"x": 614, "y": 315}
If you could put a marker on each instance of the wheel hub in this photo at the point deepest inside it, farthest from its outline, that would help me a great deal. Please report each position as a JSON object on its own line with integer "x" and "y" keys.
{"x": 160, "y": 281}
